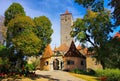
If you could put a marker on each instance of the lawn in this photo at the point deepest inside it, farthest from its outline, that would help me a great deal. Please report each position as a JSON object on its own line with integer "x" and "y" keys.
{"x": 85, "y": 77}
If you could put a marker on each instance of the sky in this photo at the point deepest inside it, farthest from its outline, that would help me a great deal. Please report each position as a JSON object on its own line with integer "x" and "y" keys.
{"x": 49, "y": 8}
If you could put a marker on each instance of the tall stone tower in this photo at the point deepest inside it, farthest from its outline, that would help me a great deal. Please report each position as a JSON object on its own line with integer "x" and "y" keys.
{"x": 66, "y": 21}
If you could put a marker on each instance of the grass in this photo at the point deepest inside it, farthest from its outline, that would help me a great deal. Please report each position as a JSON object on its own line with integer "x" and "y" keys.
{"x": 85, "y": 77}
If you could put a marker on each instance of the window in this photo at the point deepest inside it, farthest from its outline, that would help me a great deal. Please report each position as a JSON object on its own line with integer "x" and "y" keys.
{"x": 46, "y": 63}
{"x": 82, "y": 63}
{"x": 70, "y": 62}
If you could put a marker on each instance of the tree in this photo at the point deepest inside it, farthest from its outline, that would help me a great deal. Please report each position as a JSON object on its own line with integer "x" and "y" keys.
{"x": 20, "y": 33}
{"x": 3, "y": 51}
{"x": 98, "y": 5}
{"x": 44, "y": 30}
{"x": 94, "y": 5}
{"x": 4, "y": 61}
{"x": 113, "y": 59}
{"x": 116, "y": 13}
{"x": 94, "y": 28}
{"x": 12, "y": 11}
{"x": 23, "y": 34}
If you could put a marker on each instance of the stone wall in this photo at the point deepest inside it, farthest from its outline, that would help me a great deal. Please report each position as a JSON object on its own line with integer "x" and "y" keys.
{"x": 92, "y": 63}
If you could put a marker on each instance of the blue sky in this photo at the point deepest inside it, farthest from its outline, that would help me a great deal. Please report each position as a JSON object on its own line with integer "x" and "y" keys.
{"x": 50, "y": 8}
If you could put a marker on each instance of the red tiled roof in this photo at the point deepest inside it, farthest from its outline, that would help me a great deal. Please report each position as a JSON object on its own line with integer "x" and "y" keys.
{"x": 63, "y": 47}
{"x": 84, "y": 51}
{"x": 79, "y": 47}
{"x": 48, "y": 52}
{"x": 117, "y": 35}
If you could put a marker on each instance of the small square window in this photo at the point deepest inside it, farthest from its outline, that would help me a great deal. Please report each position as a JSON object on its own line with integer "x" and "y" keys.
{"x": 82, "y": 63}
{"x": 70, "y": 62}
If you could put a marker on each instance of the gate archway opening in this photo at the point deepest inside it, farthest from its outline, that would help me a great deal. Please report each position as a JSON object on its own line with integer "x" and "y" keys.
{"x": 56, "y": 64}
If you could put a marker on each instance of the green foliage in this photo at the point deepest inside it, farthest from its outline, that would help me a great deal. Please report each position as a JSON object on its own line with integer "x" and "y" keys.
{"x": 44, "y": 30}
{"x": 30, "y": 67}
{"x": 3, "y": 61}
{"x": 116, "y": 13}
{"x": 3, "y": 51}
{"x": 20, "y": 24}
{"x": 14, "y": 10}
{"x": 20, "y": 33}
{"x": 94, "y": 28}
{"x": 25, "y": 36}
{"x": 113, "y": 60}
{"x": 98, "y": 5}
{"x": 76, "y": 71}
{"x": 36, "y": 63}
{"x": 88, "y": 72}
{"x": 28, "y": 43}
{"x": 111, "y": 74}
{"x": 95, "y": 5}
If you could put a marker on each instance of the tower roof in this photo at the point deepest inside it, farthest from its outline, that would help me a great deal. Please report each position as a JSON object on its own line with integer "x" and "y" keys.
{"x": 73, "y": 52}
{"x": 55, "y": 49}
{"x": 66, "y": 12}
{"x": 48, "y": 52}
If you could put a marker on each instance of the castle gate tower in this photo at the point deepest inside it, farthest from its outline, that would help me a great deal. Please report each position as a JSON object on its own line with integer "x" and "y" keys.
{"x": 66, "y": 21}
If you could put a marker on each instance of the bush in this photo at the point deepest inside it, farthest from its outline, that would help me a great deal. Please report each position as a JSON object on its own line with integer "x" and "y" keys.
{"x": 78, "y": 71}
{"x": 90, "y": 71}
{"x": 111, "y": 74}
{"x": 30, "y": 67}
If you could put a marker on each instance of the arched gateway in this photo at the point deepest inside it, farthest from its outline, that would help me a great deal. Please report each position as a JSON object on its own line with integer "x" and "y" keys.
{"x": 56, "y": 64}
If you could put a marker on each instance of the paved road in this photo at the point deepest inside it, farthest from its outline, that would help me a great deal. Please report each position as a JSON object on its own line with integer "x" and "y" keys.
{"x": 57, "y": 75}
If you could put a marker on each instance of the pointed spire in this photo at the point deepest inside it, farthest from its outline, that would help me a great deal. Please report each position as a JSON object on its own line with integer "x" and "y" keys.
{"x": 73, "y": 52}
{"x": 72, "y": 46}
{"x": 48, "y": 52}
{"x": 66, "y": 11}
{"x": 55, "y": 49}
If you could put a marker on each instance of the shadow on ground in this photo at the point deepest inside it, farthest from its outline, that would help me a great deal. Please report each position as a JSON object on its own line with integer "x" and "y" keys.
{"x": 44, "y": 76}
{"x": 30, "y": 77}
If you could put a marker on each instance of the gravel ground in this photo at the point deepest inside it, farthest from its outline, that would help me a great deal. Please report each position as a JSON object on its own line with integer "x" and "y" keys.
{"x": 57, "y": 75}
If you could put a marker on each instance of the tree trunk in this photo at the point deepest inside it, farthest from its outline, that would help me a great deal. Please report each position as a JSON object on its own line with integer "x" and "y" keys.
{"x": 20, "y": 60}
{"x": 103, "y": 64}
